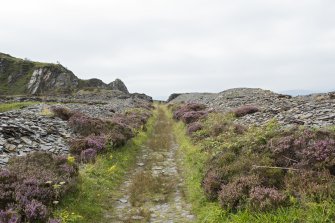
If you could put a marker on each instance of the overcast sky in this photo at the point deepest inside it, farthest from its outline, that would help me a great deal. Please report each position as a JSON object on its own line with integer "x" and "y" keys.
{"x": 163, "y": 46}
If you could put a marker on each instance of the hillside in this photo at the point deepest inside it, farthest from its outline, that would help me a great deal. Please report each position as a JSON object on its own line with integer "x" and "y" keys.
{"x": 25, "y": 77}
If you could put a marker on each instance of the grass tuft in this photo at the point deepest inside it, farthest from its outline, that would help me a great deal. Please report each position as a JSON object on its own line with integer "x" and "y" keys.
{"x": 4, "y": 107}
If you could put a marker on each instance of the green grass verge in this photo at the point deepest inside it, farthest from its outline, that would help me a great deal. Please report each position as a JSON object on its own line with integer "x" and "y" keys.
{"x": 193, "y": 161}
{"x": 192, "y": 166}
{"x": 17, "y": 105}
{"x": 99, "y": 182}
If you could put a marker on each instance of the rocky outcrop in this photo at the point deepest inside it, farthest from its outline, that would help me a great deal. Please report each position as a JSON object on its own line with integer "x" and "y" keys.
{"x": 92, "y": 83}
{"x": 118, "y": 85}
{"x": 142, "y": 97}
{"x": 52, "y": 78}
{"x": 25, "y": 77}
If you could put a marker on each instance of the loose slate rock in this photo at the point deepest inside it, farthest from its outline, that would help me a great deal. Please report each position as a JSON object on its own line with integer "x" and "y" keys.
{"x": 26, "y": 140}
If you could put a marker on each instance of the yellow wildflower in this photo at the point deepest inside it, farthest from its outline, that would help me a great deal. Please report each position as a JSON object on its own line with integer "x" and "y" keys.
{"x": 112, "y": 169}
{"x": 71, "y": 159}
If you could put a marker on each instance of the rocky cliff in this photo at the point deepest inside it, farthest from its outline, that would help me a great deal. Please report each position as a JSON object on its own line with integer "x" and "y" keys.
{"x": 25, "y": 77}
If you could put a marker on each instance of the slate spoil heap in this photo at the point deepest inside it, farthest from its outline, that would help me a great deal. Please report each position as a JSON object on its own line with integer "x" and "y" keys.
{"x": 312, "y": 110}
{"x": 26, "y": 130}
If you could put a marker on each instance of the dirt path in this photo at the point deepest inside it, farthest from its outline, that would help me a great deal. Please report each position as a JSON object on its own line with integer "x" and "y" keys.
{"x": 153, "y": 190}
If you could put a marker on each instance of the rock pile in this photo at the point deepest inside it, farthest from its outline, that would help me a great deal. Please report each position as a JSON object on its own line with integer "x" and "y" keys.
{"x": 312, "y": 110}
{"x": 26, "y": 130}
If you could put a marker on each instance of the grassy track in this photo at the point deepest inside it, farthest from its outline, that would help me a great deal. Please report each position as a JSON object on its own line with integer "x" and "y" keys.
{"x": 152, "y": 191}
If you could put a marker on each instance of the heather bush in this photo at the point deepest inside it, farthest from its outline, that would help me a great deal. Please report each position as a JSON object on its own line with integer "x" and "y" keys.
{"x": 31, "y": 189}
{"x": 211, "y": 184}
{"x": 262, "y": 167}
{"x": 120, "y": 119}
{"x": 117, "y": 130}
{"x": 143, "y": 114}
{"x": 320, "y": 153}
{"x": 245, "y": 110}
{"x": 120, "y": 128}
{"x": 68, "y": 169}
{"x": 219, "y": 128}
{"x": 97, "y": 143}
{"x": 136, "y": 121}
{"x": 263, "y": 198}
{"x": 35, "y": 211}
{"x": 193, "y": 116}
{"x": 85, "y": 125}
{"x": 8, "y": 183}
{"x": 32, "y": 183}
{"x": 185, "y": 108}
{"x": 228, "y": 165}
{"x": 88, "y": 155}
{"x": 134, "y": 118}
{"x": 309, "y": 185}
{"x": 304, "y": 149}
{"x": 239, "y": 129}
{"x": 62, "y": 112}
{"x": 288, "y": 147}
{"x": 117, "y": 139}
{"x": 77, "y": 145}
{"x": 270, "y": 177}
{"x": 283, "y": 150}
{"x": 48, "y": 167}
{"x": 9, "y": 216}
{"x": 98, "y": 132}
{"x": 234, "y": 195}
{"x": 193, "y": 127}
